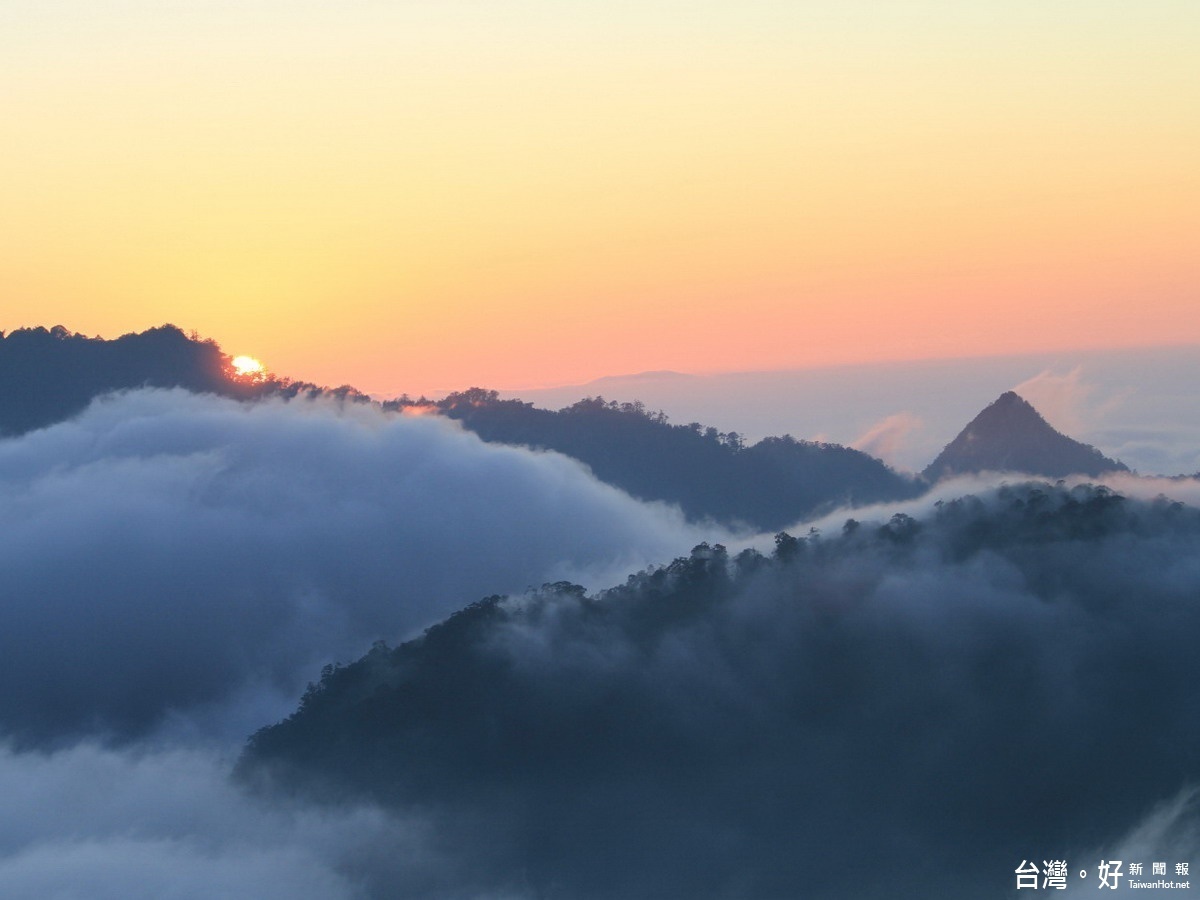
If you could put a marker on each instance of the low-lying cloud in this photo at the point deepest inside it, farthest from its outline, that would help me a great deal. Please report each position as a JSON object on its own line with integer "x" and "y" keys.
{"x": 104, "y": 824}
{"x": 908, "y": 706}
{"x": 184, "y": 559}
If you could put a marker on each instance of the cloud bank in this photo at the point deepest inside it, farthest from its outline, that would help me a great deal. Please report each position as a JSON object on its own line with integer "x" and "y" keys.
{"x": 906, "y": 707}
{"x": 186, "y": 560}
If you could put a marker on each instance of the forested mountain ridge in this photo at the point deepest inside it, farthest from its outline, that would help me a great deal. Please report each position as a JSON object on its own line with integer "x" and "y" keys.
{"x": 50, "y": 374}
{"x": 787, "y": 716}
{"x": 710, "y": 474}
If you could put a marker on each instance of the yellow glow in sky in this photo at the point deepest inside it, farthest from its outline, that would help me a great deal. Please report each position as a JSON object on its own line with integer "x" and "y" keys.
{"x": 415, "y": 196}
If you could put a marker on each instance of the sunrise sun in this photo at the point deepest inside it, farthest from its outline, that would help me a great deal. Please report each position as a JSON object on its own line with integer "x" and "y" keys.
{"x": 247, "y": 367}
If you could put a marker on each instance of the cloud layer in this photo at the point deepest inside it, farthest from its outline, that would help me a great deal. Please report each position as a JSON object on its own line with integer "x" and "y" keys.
{"x": 170, "y": 557}
{"x": 908, "y": 707}
{"x": 103, "y": 824}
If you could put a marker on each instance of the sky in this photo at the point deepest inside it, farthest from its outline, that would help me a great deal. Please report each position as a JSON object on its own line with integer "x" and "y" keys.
{"x": 418, "y": 197}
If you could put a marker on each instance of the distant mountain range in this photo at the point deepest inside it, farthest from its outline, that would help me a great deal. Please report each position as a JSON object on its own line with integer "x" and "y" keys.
{"x": 47, "y": 375}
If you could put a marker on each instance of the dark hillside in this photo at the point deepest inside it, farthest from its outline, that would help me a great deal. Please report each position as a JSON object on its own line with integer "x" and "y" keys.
{"x": 47, "y": 375}
{"x": 900, "y": 701}
{"x": 710, "y": 474}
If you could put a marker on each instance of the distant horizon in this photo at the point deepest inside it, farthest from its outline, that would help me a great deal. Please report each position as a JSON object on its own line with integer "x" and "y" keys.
{"x": 652, "y": 374}
{"x": 647, "y": 375}
{"x": 1134, "y": 404}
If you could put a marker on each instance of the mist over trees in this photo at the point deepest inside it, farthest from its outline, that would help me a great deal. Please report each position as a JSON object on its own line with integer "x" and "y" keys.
{"x": 1011, "y": 675}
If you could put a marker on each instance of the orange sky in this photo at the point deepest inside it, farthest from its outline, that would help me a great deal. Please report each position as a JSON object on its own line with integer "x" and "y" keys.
{"x": 536, "y": 192}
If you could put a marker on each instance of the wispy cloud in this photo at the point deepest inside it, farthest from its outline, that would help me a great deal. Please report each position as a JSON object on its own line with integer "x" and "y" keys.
{"x": 886, "y": 439}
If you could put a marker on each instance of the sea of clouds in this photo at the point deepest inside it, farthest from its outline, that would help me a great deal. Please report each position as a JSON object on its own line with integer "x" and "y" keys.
{"x": 178, "y": 567}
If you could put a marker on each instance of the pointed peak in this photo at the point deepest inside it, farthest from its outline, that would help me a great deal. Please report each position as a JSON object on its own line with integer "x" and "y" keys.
{"x": 1012, "y": 400}
{"x": 1011, "y": 435}
{"x": 1011, "y": 411}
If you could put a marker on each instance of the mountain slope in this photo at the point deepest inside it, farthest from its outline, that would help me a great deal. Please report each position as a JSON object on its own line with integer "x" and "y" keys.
{"x": 768, "y": 485}
{"x": 1011, "y": 436}
{"x": 47, "y": 375}
{"x": 907, "y": 693}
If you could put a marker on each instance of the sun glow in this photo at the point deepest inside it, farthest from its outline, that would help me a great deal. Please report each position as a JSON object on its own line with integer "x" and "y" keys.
{"x": 418, "y": 409}
{"x": 247, "y": 367}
